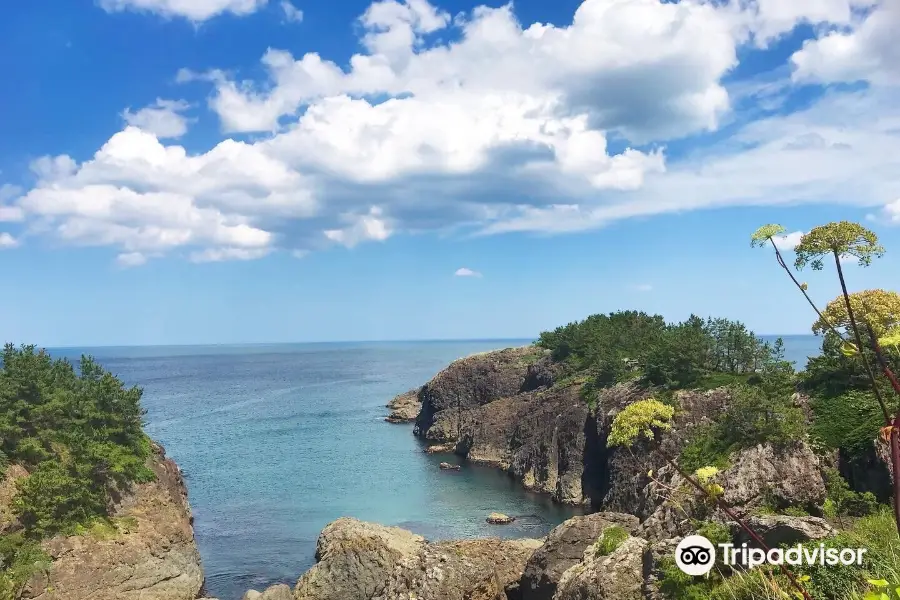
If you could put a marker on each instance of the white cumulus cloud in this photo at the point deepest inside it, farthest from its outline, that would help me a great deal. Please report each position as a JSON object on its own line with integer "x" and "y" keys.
{"x": 193, "y": 10}
{"x": 867, "y": 51}
{"x": 466, "y": 272}
{"x": 484, "y": 124}
{"x": 164, "y": 118}
{"x": 131, "y": 259}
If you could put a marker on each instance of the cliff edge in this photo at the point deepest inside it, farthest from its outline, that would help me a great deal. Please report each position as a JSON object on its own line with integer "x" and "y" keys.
{"x": 147, "y": 552}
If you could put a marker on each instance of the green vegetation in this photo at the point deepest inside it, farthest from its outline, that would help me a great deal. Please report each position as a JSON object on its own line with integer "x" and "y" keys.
{"x": 634, "y": 346}
{"x": 611, "y": 538}
{"x": 79, "y": 435}
{"x": 20, "y": 560}
{"x": 881, "y": 562}
{"x": 640, "y": 419}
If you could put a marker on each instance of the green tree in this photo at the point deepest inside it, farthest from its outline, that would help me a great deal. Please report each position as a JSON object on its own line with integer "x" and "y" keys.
{"x": 78, "y": 432}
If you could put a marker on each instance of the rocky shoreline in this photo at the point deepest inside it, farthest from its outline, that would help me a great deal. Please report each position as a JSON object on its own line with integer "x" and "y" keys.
{"x": 510, "y": 409}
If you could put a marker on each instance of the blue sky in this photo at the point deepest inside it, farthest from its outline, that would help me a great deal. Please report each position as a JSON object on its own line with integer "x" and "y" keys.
{"x": 218, "y": 171}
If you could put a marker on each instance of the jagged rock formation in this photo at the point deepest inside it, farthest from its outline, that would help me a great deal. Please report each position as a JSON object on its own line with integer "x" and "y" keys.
{"x": 563, "y": 548}
{"x": 404, "y": 408}
{"x": 153, "y": 557}
{"x": 759, "y": 477}
{"x": 365, "y": 561}
{"x": 507, "y": 408}
{"x": 619, "y": 576}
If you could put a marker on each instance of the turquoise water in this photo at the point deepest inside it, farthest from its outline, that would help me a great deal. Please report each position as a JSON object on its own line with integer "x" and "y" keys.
{"x": 276, "y": 441}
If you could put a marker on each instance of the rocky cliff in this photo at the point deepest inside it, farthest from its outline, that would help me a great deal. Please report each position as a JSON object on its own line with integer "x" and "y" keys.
{"x": 148, "y": 554}
{"x": 365, "y": 561}
{"x": 511, "y": 409}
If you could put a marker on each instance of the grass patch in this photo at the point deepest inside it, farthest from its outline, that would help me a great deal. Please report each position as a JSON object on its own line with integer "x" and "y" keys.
{"x": 612, "y": 538}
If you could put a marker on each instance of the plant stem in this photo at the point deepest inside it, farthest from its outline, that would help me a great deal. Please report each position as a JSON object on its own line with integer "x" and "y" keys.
{"x": 803, "y": 291}
{"x": 731, "y": 514}
{"x": 895, "y": 442}
{"x": 859, "y": 344}
{"x": 895, "y": 427}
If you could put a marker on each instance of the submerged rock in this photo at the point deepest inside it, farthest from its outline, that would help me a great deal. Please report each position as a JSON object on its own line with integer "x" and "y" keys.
{"x": 499, "y": 519}
{"x": 448, "y": 467}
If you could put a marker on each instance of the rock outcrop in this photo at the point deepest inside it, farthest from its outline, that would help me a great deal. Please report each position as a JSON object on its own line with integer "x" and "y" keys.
{"x": 762, "y": 477}
{"x": 619, "y": 576}
{"x": 563, "y": 549}
{"x": 468, "y": 383}
{"x": 152, "y": 556}
{"x": 776, "y": 530}
{"x": 499, "y": 408}
{"x": 363, "y": 561}
{"x": 405, "y": 407}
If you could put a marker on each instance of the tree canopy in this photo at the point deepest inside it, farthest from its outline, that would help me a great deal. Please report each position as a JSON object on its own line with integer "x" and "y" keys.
{"x": 78, "y": 433}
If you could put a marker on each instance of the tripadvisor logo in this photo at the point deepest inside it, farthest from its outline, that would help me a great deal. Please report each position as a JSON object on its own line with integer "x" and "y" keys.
{"x": 695, "y": 555}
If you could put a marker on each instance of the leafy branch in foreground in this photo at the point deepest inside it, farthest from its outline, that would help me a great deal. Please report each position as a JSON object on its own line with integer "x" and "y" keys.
{"x": 645, "y": 419}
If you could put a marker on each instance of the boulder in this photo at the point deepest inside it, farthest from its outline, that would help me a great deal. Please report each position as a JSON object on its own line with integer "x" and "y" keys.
{"x": 499, "y": 518}
{"x": 448, "y": 467}
{"x": 619, "y": 576}
{"x": 354, "y": 560}
{"x": 786, "y": 477}
{"x": 657, "y": 552}
{"x": 405, "y": 407}
{"x": 276, "y": 592}
{"x": 152, "y": 555}
{"x": 462, "y": 570}
{"x": 365, "y": 561}
{"x": 782, "y": 529}
{"x": 564, "y": 548}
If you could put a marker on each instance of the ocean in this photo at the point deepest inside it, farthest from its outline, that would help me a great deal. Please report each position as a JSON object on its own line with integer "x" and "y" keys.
{"x": 278, "y": 440}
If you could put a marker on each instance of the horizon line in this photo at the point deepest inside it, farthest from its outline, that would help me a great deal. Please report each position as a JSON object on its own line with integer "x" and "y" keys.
{"x": 368, "y": 341}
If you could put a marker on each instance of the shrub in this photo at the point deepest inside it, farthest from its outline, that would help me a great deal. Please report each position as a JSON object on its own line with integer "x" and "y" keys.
{"x": 611, "y": 538}
{"x": 706, "y": 447}
{"x": 843, "y": 500}
{"x": 21, "y": 559}
{"x": 756, "y": 417}
{"x": 678, "y": 585}
{"x": 849, "y": 421}
{"x": 716, "y": 533}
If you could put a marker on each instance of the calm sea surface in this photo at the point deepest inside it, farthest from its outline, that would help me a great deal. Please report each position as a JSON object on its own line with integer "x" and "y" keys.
{"x": 276, "y": 441}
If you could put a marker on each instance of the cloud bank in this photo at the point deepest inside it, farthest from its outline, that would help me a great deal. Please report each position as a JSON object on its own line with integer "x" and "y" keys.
{"x": 507, "y": 127}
